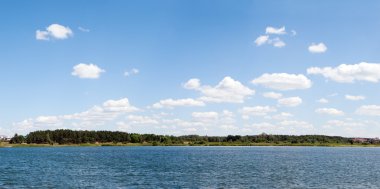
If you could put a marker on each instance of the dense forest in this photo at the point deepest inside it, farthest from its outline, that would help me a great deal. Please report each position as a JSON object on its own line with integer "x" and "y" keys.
{"x": 64, "y": 136}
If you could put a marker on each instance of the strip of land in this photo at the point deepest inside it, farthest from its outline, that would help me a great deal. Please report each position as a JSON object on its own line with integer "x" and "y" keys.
{"x": 8, "y": 145}
{"x": 64, "y": 137}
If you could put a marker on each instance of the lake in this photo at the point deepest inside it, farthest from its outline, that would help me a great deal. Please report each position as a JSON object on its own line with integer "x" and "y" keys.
{"x": 190, "y": 167}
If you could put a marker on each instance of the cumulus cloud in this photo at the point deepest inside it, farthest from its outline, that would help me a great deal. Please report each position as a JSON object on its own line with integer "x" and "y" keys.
{"x": 204, "y": 122}
{"x": 276, "y": 31}
{"x": 329, "y": 111}
{"x": 370, "y": 110}
{"x": 272, "y": 95}
{"x": 264, "y": 39}
{"x": 283, "y": 81}
{"x": 261, "y": 40}
{"x": 352, "y": 128}
{"x": 227, "y": 90}
{"x": 87, "y": 71}
{"x": 54, "y": 31}
{"x": 354, "y": 98}
{"x": 133, "y": 71}
{"x": 109, "y": 110}
{"x": 317, "y": 48}
{"x": 277, "y": 42}
{"x": 89, "y": 119}
{"x": 290, "y": 102}
{"x": 121, "y": 105}
{"x": 256, "y": 111}
{"x": 348, "y": 73}
{"x": 274, "y": 41}
{"x": 42, "y": 35}
{"x": 47, "y": 119}
{"x": 192, "y": 84}
{"x": 170, "y": 103}
{"x": 94, "y": 114}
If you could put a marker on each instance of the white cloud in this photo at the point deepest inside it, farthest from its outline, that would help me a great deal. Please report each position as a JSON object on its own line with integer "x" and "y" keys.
{"x": 92, "y": 118}
{"x": 137, "y": 119}
{"x": 134, "y": 71}
{"x": 87, "y": 71}
{"x": 290, "y": 102}
{"x": 261, "y": 40}
{"x": 340, "y": 123}
{"x": 229, "y": 127}
{"x": 370, "y": 110}
{"x": 24, "y": 126}
{"x": 355, "y": 98}
{"x": 283, "y": 81}
{"x": 256, "y": 111}
{"x": 329, "y": 111}
{"x": 283, "y": 127}
{"x": 227, "y": 113}
{"x": 348, "y": 73}
{"x": 205, "y": 116}
{"x": 282, "y": 116}
{"x": 317, "y": 48}
{"x": 122, "y": 126}
{"x": 47, "y": 119}
{"x": 42, "y": 35}
{"x": 95, "y": 114}
{"x": 192, "y": 84}
{"x": 181, "y": 123}
{"x": 276, "y": 31}
{"x": 264, "y": 39}
{"x": 264, "y": 126}
{"x": 121, "y": 105}
{"x": 83, "y": 29}
{"x": 227, "y": 90}
{"x": 170, "y": 103}
{"x": 190, "y": 130}
{"x": 272, "y": 95}
{"x": 109, "y": 110}
{"x": 323, "y": 101}
{"x": 54, "y": 31}
{"x": 294, "y": 123}
{"x": 277, "y": 42}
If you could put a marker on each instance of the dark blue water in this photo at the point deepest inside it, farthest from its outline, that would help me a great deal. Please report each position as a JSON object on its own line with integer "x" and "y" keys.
{"x": 190, "y": 167}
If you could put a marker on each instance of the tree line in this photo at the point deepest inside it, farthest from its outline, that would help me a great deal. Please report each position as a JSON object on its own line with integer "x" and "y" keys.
{"x": 66, "y": 136}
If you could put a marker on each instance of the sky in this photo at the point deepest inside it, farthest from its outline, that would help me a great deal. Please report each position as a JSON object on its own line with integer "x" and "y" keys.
{"x": 213, "y": 67}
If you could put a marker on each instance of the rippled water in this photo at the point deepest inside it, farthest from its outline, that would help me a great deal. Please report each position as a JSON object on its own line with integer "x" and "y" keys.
{"x": 190, "y": 167}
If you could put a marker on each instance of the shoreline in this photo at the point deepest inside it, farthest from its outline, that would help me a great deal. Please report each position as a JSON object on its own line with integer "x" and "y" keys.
{"x": 7, "y": 145}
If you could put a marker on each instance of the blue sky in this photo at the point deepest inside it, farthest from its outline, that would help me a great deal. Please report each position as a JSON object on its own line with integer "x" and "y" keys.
{"x": 191, "y": 67}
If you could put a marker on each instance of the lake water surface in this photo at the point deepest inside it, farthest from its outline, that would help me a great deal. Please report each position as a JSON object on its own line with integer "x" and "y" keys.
{"x": 190, "y": 167}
